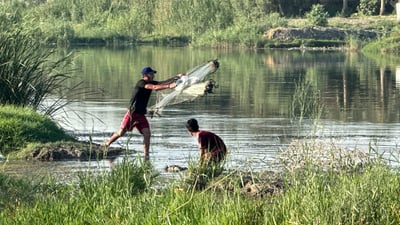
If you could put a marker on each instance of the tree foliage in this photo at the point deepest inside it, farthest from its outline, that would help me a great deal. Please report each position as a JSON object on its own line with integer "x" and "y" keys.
{"x": 317, "y": 16}
{"x": 368, "y": 7}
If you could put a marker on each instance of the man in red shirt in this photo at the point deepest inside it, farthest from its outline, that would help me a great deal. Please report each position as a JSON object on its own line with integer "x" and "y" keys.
{"x": 212, "y": 147}
{"x": 135, "y": 114}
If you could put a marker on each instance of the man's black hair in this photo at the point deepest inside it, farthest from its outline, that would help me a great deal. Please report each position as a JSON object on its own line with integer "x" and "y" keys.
{"x": 192, "y": 125}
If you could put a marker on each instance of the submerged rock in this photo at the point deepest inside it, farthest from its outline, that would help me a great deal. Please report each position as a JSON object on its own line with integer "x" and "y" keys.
{"x": 174, "y": 168}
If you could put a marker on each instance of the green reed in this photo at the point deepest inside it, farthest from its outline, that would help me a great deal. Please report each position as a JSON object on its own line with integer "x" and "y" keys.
{"x": 27, "y": 73}
{"x": 306, "y": 104}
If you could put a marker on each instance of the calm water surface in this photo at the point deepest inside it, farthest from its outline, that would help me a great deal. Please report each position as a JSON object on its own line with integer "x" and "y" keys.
{"x": 250, "y": 109}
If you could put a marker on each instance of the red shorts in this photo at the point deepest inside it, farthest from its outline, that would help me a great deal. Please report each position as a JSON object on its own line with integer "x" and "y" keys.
{"x": 132, "y": 120}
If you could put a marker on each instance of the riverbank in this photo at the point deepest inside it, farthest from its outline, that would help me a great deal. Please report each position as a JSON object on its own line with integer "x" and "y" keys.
{"x": 295, "y": 33}
{"x": 374, "y": 33}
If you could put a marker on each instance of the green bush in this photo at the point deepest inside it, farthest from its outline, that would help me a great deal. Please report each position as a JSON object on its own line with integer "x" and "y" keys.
{"x": 317, "y": 16}
{"x": 368, "y": 7}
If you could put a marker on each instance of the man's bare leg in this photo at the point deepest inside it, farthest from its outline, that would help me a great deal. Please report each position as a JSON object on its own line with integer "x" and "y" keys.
{"x": 114, "y": 137}
{"x": 146, "y": 143}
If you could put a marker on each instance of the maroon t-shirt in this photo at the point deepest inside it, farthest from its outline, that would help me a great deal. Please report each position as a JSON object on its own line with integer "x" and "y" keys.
{"x": 212, "y": 143}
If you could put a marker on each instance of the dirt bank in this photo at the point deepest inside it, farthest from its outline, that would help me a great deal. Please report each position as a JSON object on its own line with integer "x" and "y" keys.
{"x": 59, "y": 151}
{"x": 319, "y": 33}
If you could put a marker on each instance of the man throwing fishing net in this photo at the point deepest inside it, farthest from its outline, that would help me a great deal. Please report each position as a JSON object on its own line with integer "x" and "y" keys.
{"x": 135, "y": 114}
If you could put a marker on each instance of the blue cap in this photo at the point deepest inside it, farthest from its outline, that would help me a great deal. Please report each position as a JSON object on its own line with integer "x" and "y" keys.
{"x": 147, "y": 70}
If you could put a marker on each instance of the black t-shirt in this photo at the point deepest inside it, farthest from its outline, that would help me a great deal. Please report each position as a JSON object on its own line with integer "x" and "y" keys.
{"x": 140, "y": 97}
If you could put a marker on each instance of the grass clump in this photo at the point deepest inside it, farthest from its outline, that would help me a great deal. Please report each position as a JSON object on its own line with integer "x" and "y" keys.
{"x": 22, "y": 125}
{"x": 306, "y": 104}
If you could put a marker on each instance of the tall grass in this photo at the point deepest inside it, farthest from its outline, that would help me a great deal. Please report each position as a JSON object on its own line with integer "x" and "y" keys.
{"x": 334, "y": 185}
{"x": 27, "y": 74}
{"x": 371, "y": 197}
{"x": 13, "y": 191}
{"x": 129, "y": 194}
{"x": 123, "y": 196}
{"x": 331, "y": 184}
{"x": 129, "y": 21}
{"x": 384, "y": 46}
{"x": 354, "y": 43}
{"x": 244, "y": 33}
{"x": 306, "y": 104}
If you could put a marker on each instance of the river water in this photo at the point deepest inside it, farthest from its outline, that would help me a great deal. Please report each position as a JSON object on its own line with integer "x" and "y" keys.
{"x": 250, "y": 109}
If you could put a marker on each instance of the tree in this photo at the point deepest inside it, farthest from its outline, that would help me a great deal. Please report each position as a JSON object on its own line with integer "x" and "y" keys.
{"x": 382, "y": 8}
{"x": 368, "y": 7}
{"x": 317, "y": 16}
{"x": 345, "y": 7}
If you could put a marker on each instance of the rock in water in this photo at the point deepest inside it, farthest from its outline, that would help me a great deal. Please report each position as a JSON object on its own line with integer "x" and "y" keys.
{"x": 174, "y": 168}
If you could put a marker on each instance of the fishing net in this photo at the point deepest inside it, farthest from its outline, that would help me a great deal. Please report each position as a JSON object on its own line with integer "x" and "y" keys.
{"x": 189, "y": 87}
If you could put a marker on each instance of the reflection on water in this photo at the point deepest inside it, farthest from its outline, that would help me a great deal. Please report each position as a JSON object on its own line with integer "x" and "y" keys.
{"x": 249, "y": 110}
{"x": 63, "y": 171}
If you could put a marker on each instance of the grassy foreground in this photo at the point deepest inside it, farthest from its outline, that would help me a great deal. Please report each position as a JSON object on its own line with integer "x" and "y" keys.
{"x": 127, "y": 195}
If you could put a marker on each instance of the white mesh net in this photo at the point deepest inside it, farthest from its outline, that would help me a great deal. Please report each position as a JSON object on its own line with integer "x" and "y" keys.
{"x": 189, "y": 87}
